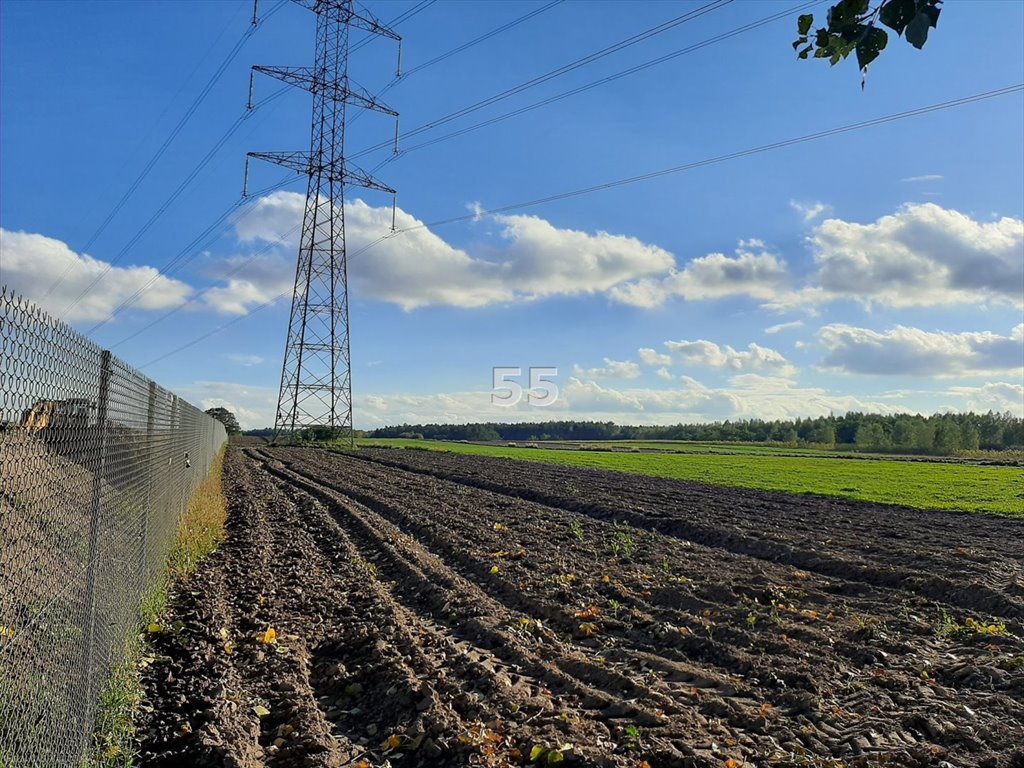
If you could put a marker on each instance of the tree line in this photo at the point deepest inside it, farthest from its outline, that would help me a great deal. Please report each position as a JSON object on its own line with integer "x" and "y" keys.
{"x": 940, "y": 434}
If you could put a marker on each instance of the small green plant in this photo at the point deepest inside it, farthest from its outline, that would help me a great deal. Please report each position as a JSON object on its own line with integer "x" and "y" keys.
{"x": 366, "y": 565}
{"x": 950, "y": 627}
{"x": 614, "y": 606}
{"x": 752, "y": 620}
{"x": 633, "y": 738}
{"x": 577, "y": 528}
{"x": 622, "y": 543}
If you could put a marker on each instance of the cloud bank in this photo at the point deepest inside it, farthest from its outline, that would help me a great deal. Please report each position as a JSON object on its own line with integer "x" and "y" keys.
{"x": 30, "y": 263}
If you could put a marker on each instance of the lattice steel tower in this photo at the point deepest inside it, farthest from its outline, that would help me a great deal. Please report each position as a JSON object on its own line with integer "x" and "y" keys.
{"x": 316, "y": 378}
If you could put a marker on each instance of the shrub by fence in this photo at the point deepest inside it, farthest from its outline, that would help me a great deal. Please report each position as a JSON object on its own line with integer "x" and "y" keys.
{"x": 97, "y": 463}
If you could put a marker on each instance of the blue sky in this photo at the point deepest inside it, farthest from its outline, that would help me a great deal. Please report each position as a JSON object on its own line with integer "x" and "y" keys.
{"x": 891, "y": 257}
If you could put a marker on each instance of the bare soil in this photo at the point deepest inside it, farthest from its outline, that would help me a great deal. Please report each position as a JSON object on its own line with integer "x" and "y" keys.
{"x": 441, "y": 610}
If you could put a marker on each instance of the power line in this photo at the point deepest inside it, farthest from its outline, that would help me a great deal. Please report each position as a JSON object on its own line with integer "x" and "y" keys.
{"x": 238, "y": 267}
{"x": 459, "y": 49}
{"x": 399, "y": 19}
{"x": 477, "y": 40}
{"x": 167, "y": 142}
{"x": 240, "y": 318}
{"x": 402, "y": 17}
{"x": 195, "y": 172}
{"x": 978, "y": 97}
{"x": 596, "y": 83}
{"x": 559, "y": 71}
{"x": 731, "y": 156}
{"x": 207, "y": 158}
{"x": 186, "y": 254}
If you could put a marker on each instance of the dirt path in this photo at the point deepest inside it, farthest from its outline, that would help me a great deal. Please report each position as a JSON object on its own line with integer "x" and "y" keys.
{"x": 422, "y": 619}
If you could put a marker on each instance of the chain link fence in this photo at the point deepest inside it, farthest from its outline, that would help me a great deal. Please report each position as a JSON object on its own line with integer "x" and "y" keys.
{"x": 97, "y": 464}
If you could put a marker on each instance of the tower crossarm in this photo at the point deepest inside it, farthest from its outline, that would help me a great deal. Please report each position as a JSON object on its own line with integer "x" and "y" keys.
{"x": 363, "y": 20}
{"x": 346, "y": 173}
{"x": 306, "y": 78}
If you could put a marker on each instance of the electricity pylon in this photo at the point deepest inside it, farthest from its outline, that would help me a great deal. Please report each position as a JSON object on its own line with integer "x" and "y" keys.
{"x": 316, "y": 377}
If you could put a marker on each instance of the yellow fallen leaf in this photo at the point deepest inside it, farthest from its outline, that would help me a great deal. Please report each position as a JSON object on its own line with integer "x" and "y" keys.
{"x": 394, "y": 741}
{"x": 606, "y": 579}
{"x": 229, "y": 647}
{"x": 6, "y": 631}
{"x": 153, "y": 628}
{"x": 587, "y": 628}
{"x": 499, "y": 526}
{"x": 268, "y": 637}
{"x": 494, "y": 569}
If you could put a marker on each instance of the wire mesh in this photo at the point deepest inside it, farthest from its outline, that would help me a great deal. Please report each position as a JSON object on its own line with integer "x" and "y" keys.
{"x": 97, "y": 464}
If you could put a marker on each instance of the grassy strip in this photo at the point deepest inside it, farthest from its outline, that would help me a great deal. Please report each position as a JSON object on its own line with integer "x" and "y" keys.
{"x": 200, "y": 531}
{"x": 926, "y": 485}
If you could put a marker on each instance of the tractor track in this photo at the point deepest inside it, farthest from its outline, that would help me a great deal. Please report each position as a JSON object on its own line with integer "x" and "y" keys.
{"x": 423, "y": 619}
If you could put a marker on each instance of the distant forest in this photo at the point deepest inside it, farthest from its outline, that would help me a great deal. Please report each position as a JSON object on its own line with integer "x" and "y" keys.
{"x": 940, "y": 434}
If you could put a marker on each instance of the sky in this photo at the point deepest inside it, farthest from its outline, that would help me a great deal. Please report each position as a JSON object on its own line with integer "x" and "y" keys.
{"x": 879, "y": 269}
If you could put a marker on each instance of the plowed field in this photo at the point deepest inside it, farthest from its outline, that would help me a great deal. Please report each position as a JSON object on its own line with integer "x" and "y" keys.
{"x": 439, "y": 610}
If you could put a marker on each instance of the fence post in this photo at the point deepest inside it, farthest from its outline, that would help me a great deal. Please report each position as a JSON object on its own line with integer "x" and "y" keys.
{"x": 102, "y": 406}
{"x": 150, "y": 470}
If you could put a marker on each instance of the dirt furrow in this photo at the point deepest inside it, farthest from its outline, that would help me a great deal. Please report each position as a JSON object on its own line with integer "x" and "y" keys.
{"x": 363, "y": 612}
{"x": 851, "y": 723}
{"x": 851, "y": 541}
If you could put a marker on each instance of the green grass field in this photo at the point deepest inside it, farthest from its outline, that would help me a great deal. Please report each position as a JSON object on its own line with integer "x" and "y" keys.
{"x": 929, "y": 485}
{"x": 757, "y": 449}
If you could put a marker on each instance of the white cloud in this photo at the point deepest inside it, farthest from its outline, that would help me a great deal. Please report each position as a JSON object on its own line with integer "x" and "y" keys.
{"x": 653, "y": 357}
{"x": 665, "y": 373}
{"x": 998, "y": 396}
{"x": 922, "y": 255}
{"x": 245, "y": 360}
{"x": 926, "y": 177}
{"x": 810, "y": 211}
{"x": 708, "y": 354}
{"x": 784, "y": 326}
{"x": 613, "y": 369}
{"x": 30, "y": 263}
{"x": 748, "y": 396}
{"x": 912, "y": 351}
{"x": 755, "y": 273}
{"x": 533, "y": 259}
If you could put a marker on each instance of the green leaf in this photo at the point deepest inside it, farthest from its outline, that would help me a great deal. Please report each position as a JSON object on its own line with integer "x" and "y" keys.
{"x": 917, "y": 30}
{"x": 803, "y": 24}
{"x": 805, "y": 51}
{"x": 896, "y": 14}
{"x": 536, "y": 753}
{"x": 872, "y": 44}
{"x": 554, "y": 756}
{"x": 260, "y": 710}
{"x": 798, "y": 42}
{"x": 845, "y": 13}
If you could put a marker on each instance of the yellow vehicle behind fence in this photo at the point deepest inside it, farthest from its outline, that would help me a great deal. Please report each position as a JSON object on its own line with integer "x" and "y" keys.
{"x": 57, "y": 414}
